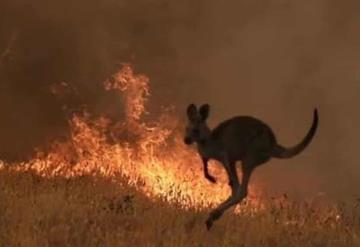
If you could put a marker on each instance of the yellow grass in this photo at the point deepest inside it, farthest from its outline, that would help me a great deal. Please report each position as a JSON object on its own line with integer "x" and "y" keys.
{"x": 94, "y": 211}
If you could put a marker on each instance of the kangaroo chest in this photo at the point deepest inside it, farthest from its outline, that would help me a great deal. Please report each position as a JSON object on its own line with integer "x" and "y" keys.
{"x": 210, "y": 150}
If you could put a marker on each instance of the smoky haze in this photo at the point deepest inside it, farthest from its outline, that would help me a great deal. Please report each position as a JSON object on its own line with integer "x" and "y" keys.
{"x": 275, "y": 60}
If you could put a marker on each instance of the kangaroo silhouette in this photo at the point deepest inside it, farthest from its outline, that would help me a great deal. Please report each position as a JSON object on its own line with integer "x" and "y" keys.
{"x": 241, "y": 138}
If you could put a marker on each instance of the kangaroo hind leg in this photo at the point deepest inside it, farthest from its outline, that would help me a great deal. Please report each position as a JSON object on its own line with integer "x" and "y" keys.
{"x": 239, "y": 192}
{"x": 235, "y": 187}
{"x": 250, "y": 162}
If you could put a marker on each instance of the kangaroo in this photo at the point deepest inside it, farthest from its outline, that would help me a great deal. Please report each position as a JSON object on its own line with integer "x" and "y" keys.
{"x": 241, "y": 138}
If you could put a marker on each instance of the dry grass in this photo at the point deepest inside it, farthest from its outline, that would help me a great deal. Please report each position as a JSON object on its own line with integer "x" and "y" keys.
{"x": 88, "y": 211}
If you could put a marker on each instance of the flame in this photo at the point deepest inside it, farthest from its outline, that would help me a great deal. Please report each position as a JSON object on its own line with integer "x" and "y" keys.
{"x": 149, "y": 155}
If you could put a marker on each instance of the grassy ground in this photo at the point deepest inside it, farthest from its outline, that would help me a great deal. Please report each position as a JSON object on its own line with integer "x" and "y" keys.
{"x": 88, "y": 211}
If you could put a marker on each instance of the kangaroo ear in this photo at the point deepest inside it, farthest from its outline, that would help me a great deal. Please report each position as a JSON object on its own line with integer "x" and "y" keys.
{"x": 204, "y": 111}
{"x": 191, "y": 112}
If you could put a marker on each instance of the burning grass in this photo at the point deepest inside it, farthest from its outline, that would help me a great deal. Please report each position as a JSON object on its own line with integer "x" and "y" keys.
{"x": 95, "y": 211}
{"x": 150, "y": 155}
{"x": 135, "y": 183}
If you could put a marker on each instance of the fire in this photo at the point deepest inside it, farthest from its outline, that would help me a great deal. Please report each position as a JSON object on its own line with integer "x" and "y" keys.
{"x": 149, "y": 155}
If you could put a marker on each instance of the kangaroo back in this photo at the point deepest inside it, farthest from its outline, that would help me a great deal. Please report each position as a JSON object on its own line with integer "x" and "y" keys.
{"x": 242, "y": 135}
{"x": 282, "y": 152}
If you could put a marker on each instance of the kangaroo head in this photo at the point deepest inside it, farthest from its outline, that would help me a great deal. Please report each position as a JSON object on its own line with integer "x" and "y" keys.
{"x": 197, "y": 129}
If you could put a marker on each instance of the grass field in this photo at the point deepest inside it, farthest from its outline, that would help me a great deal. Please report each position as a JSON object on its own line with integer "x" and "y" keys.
{"x": 93, "y": 211}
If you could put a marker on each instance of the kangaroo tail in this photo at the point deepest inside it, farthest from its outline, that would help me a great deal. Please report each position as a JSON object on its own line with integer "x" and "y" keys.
{"x": 283, "y": 153}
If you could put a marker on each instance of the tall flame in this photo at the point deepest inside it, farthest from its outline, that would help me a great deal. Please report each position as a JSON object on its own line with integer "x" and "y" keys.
{"x": 150, "y": 155}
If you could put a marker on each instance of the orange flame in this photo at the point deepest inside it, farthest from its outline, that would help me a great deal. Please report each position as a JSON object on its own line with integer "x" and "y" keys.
{"x": 150, "y": 155}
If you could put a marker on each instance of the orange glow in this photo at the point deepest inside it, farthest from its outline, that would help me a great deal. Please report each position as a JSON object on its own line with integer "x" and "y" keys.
{"x": 149, "y": 155}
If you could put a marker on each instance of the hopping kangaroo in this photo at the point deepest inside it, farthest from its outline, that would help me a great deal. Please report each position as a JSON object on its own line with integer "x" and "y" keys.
{"x": 241, "y": 138}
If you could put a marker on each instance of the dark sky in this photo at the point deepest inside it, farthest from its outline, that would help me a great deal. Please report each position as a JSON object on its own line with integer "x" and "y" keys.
{"x": 273, "y": 59}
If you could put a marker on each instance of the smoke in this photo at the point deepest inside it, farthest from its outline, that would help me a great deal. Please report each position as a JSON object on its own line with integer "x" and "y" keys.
{"x": 275, "y": 60}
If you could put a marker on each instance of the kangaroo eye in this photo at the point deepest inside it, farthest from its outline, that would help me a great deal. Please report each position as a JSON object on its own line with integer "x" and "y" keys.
{"x": 195, "y": 131}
